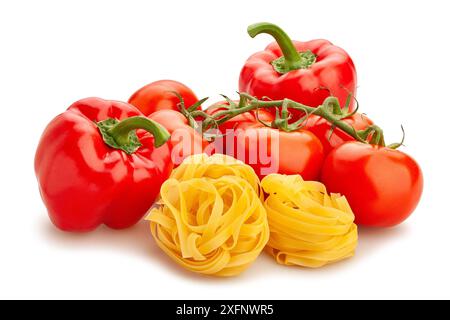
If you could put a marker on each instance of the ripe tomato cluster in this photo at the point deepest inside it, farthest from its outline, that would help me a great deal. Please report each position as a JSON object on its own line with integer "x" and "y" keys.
{"x": 383, "y": 185}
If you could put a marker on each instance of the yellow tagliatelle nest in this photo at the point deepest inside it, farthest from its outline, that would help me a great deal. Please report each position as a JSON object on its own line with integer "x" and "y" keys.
{"x": 308, "y": 227}
{"x": 210, "y": 218}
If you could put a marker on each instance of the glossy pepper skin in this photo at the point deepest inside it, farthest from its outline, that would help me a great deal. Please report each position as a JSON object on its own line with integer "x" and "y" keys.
{"x": 308, "y": 72}
{"x": 84, "y": 182}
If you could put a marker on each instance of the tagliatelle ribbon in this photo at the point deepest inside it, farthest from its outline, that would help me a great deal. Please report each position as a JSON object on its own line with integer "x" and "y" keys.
{"x": 308, "y": 227}
{"x": 215, "y": 166}
{"x": 210, "y": 218}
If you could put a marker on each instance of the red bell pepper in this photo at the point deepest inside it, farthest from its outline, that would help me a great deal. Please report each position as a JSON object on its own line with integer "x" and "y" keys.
{"x": 94, "y": 167}
{"x": 306, "y": 72}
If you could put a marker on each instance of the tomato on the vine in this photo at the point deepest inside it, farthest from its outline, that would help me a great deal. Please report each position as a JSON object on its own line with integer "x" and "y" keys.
{"x": 184, "y": 140}
{"x": 383, "y": 185}
{"x": 162, "y": 95}
{"x": 333, "y": 139}
{"x": 270, "y": 150}
{"x": 246, "y": 117}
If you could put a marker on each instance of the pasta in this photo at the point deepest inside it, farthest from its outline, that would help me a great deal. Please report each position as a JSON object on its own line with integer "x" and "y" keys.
{"x": 210, "y": 218}
{"x": 308, "y": 227}
{"x": 215, "y": 166}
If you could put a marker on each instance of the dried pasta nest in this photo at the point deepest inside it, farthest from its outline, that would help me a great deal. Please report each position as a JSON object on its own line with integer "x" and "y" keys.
{"x": 308, "y": 227}
{"x": 210, "y": 218}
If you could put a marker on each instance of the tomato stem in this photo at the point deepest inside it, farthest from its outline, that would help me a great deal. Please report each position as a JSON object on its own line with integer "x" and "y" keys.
{"x": 377, "y": 136}
{"x": 329, "y": 110}
{"x": 397, "y": 145}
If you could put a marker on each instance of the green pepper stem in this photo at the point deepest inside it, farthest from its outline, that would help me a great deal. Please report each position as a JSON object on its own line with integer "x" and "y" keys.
{"x": 120, "y": 132}
{"x": 291, "y": 56}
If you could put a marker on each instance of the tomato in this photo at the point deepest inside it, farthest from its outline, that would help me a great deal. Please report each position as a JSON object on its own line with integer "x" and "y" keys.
{"x": 159, "y": 95}
{"x": 383, "y": 185}
{"x": 321, "y": 128}
{"x": 247, "y": 117}
{"x": 184, "y": 140}
{"x": 270, "y": 150}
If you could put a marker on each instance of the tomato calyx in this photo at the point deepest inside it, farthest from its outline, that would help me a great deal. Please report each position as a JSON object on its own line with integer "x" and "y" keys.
{"x": 397, "y": 145}
{"x": 375, "y": 136}
{"x": 190, "y": 112}
{"x": 330, "y": 110}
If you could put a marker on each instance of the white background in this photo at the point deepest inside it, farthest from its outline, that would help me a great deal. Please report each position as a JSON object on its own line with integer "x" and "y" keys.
{"x": 56, "y": 52}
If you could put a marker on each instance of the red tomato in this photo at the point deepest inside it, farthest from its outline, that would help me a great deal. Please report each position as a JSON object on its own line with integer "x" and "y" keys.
{"x": 270, "y": 150}
{"x": 321, "y": 128}
{"x": 383, "y": 185}
{"x": 184, "y": 140}
{"x": 249, "y": 117}
{"x": 159, "y": 95}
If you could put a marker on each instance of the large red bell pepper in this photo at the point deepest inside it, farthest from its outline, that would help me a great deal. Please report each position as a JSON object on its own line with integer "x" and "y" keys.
{"x": 94, "y": 167}
{"x": 306, "y": 72}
